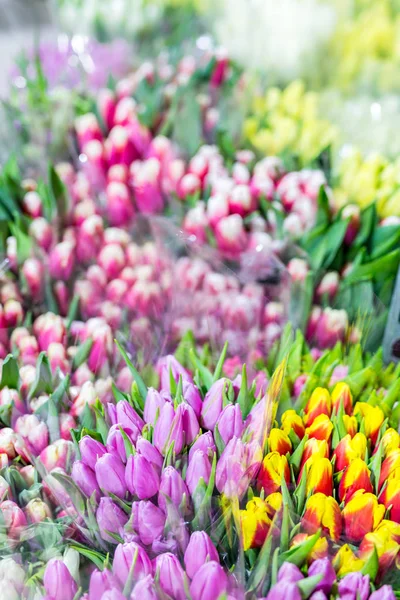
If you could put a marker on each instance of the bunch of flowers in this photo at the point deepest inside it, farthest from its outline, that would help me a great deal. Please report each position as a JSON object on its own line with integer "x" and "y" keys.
{"x": 294, "y": 483}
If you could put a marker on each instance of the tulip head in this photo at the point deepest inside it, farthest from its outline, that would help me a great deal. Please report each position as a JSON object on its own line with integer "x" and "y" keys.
{"x": 362, "y": 514}
{"x": 341, "y": 393}
{"x": 322, "y": 512}
{"x": 319, "y": 474}
{"x": 372, "y": 417}
{"x": 255, "y": 523}
{"x": 58, "y": 581}
{"x": 111, "y": 519}
{"x": 320, "y": 403}
{"x": 142, "y": 478}
{"x": 170, "y": 575}
{"x": 209, "y": 582}
{"x": 110, "y": 474}
{"x": 353, "y": 586}
{"x": 292, "y": 421}
{"x": 356, "y": 476}
{"x": 199, "y": 551}
{"x": 321, "y": 428}
{"x": 125, "y": 556}
{"x": 349, "y": 449}
{"x": 279, "y": 441}
{"x": 274, "y": 467}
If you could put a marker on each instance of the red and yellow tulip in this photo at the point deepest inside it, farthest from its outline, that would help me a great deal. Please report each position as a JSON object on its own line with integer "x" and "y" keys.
{"x": 321, "y": 428}
{"x": 322, "y": 512}
{"x": 279, "y": 441}
{"x": 345, "y": 561}
{"x": 342, "y": 393}
{"x": 385, "y": 540}
{"x": 292, "y": 421}
{"x": 390, "y": 498}
{"x": 273, "y": 468}
{"x": 320, "y": 403}
{"x": 361, "y": 515}
{"x": 319, "y": 475}
{"x": 356, "y": 477}
{"x": 256, "y": 520}
{"x": 349, "y": 449}
{"x": 372, "y": 417}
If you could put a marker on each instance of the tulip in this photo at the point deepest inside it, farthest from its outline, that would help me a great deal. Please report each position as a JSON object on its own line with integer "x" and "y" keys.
{"x": 119, "y": 205}
{"x": 62, "y": 261}
{"x": 213, "y": 404}
{"x": 389, "y": 467}
{"x": 342, "y": 393}
{"x": 237, "y": 466}
{"x": 273, "y": 468}
{"x": 231, "y": 235}
{"x": 100, "y": 582}
{"x": 34, "y": 433}
{"x": 255, "y": 523}
{"x": 199, "y": 468}
{"x": 323, "y": 567}
{"x": 173, "y": 487}
{"x": 205, "y": 443}
{"x": 279, "y": 441}
{"x": 284, "y": 591}
{"x": 146, "y": 185}
{"x": 322, "y": 512}
{"x": 13, "y": 518}
{"x": 356, "y": 476}
{"x": 321, "y": 428}
{"x": 125, "y": 556}
{"x": 328, "y": 286}
{"x": 190, "y": 424}
{"x": 292, "y": 421}
{"x": 144, "y": 590}
{"x": 91, "y": 450}
{"x": 331, "y": 328}
{"x": 146, "y": 449}
{"x": 142, "y": 478}
{"x": 85, "y": 479}
{"x": 110, "y": 474}
{"x": 349, "y": 449}
{"x": 152, "y": 408}
{"x": 58, "y": 581}
{"x": 113, "y": 595}
{"x": 230, "y": 422}
{"x": 110, "y": 518}
{"x": 116, "y": 441}
{"x": 167, "y": 364}
{"x": 354, "y": 586}
{"x": 209, "y": 583}
{"x": 320, "y": 403}
{"x": 289, "y": 573}
{"x": 57, "y": 455}
{"x": 320, "y": 549}
{"x": 128, "y": 417}
{"x": 171, "y": 576}
{"x": 345, "y": 561}
{"x": 390, "y": 498}
{"x": 361, "y": 515}
{"x": 385, "y": 542}
{"x": 150, "y": 522}
{"x": 373, "y": 418}
{"x": 169, "y": 430}
{"x": 199, "y": 550}
{"x": 319, "y": 475}
{"x": 390, "y": 441}
{"x": 8, "y": 440}
{"x": 37, "y": 511}
{"x": 314, "y": 448}
{"x": 384, "y": 593}
{"x": 11, "y": 573}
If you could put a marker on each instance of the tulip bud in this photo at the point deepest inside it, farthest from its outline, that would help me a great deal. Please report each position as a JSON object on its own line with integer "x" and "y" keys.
{"x": 100, "y": 582}
{"x": 384, "y": 593}
{"x": 390, "y": 441}
{"x": 321, "y": 428}
{"x": 209, "y": 583}
{"x": 348, "y": 449}
{"x": 57, "y": 455}
{"x": 230, "y": 422}
{"x": 125, "y": 556}
{"x": 58, "y": 581}
{"x": 356, "y": 477}
{"x": 205, "y": 443}
{"x": 273, "y": 468}
{"x": 212, "y": 405}
{"x": 319, "y": 475}
{"x": 34, "y": 433}
{"x": 390, "y": 498}
{"x": 62, "y": 261}
{"x": 145, "y": 590}
{"x": 7, "y": 442}
{"x": 168, "y": 364}
{"x": 331, "y": 328}
{"x": 291, "y": 420}
{"x": 199, "y": 468}
{"x": 299, "y": 384}
{"x": 85, "y": 479}
{"x": 87, "y": 128}
{"x": 237, "y": 466}
{"x": 111, "y": 519}
{"x": 36, "y": 511}
{"x": 192, "y": 396}
{"x": 200, "y": 550}
{"x": 146, "y": 185}
{"x": 328, "y": 286}
{"x": 361, "y": 515}
{"x": 151, "y": 453}
{"x": 142, "y": 478}
{"x": 13, "y": 518}
{"x": 230, "y": 235}
{"x": 150, "y": 522}
{"x": 319, "y": 404}
{"x": 351, "y": 212}
{"x": 116, "y": 442}
{"x": 170, "y": 575}
{"x": 256, "y": 522}
{"x": 112, "y": 260}
{"x": 41, "y": 231}
{"x": 353, "y": 586}
{"x": 120, "y": 209}
{"x": 174, "y": 488}
{"x": 110, "y": 474}
{"x": 169, "y": 430}
{"x": 322, "y": 512}
{"x": 373, "y": 418}
{"x": 91, "y": 450}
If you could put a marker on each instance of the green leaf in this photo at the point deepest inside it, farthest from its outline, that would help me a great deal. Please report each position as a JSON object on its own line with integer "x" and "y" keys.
{"x": 244, "y": 399}
{"x": 308, "y": 585}
{"x": 220, "y": 364}
{"x": 118, "y": 395}
{"x": 381, "y": 268}
{"x": 204, "y": 373}
{"x": 43, "y": 378}
{"x": 58, "y": 192}
{"x": 72, "y": 490}
{"x": 371, "y": 566}
{"x": 136, "y": 376}
{"x": 101, "y": 425}
{"x": 95, "y": 557}
{"x": 299, "y": 553}
{"x": 82, "y": 353}
{"x": 10, "y": 373}
{"x": 323, "y": 212}
{"x": 368, "y": 220}
{"x": 72, "y": 311}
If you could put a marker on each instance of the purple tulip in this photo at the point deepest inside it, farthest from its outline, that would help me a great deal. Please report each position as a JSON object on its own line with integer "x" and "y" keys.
{"x": 204, "y": 442}
{"x": 115, "y": 440}
{"x": 91, "y": 450}
{"x": 112, "y": 413}
{"x": 173, "y": 487}
{"x": 168, "y": 430}
{"x": 85, "y": 479}
{"x": 153, "y": 406}
{"x": 146, "y": 448}
{"x": 149, "y": 522}
{"x": 237, "y": 466}
{"x": 256, "y": 421}
{"x": 209, "y": 582}
{"x": 353, "y": 586}
{"x": 171, "y": 575}
{"x": 110, "y": 518}
{"x": 124, "y": 556}
{"x": 199, "y": 551}
{"x": 141, "y": 477}
{"x": 199, "y": 468}
{"x": 318, "y": 596}
{"x": 284, "y": 590}
{"x": 58, "y": 581}
{"x": 213, "y": 404}
{"x": 192, "y": 396}
{"x": 110, "y": 473}
{"x": 230, "y": 422}
{"x": 290, "y": 573}
{"x": 167, "y": 364}
{"x": 128, "y": 417}
{"x": 190, "y": 423}
{"x": 113, "y": 594}
{"x": 261, "y": 380}
{"x": 384, "y": 593}
{"x": 145, "y": 590}
{"x": 323, "y": 566}
{"x": 100, "y": 582}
